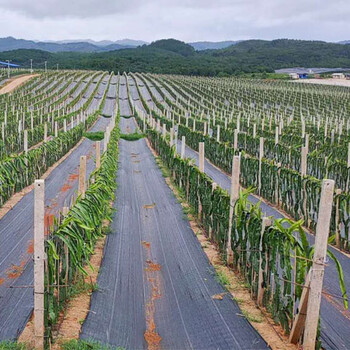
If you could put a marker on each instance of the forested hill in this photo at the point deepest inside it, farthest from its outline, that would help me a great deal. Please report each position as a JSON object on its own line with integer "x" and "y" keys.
{"x": 173, "y": 56}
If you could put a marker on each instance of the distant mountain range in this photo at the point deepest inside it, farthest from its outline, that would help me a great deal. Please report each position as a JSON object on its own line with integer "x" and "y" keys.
{"x": 11, "y": 43}
{"x": 212, "y": 45}
{"x": 88, "y": 45}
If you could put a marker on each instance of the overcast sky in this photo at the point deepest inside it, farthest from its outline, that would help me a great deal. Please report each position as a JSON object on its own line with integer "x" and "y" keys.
{"x": 187, "y": 20}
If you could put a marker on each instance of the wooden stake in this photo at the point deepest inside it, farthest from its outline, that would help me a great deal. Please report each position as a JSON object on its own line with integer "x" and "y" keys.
{"x": 82, "y": 176}
{"x": 39, "y": 263}
{"x": 317, "y": 269}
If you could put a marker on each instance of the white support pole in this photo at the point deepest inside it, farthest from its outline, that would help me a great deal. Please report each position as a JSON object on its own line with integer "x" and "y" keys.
{"x": 82, "y": 176}
{"x": 235, "y": 140}
{"x": 98, "y": 154}
{"x": 265, "y": 223}
{"x": 303, "y": 164}
{"x": 45, "y": 132}
{"x": 307, "y": 143}
{"x": 218, "y": 133}
{"x": 3, "y": 131}
{"x": 65, "y": 125}
{"x": 25, "y": 141}
{"x": 276, "y": 135}
{"x": 56, "y": 129}
{"x": 201, "y": 157}
{"x": 317, "y": 269}
{"x": 39, "y": 262}
{"x": 171, "y": 137}
{"x": 164, "y": 130}
{"x": 183, "y": 144}
{"x": 254, "y": 131}
{"x": 234, "y": 195}
{"x": 261, "y": 155}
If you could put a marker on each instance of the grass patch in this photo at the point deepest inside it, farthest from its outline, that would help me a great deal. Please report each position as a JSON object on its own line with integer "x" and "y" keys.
{"x": 95, "y": 136}
{"x": 86, "y": 345}
{"x": 9, "y": 345}
{"x": 132, "y": 137}
{"x": 222, "y": 278}
{"x": 252, "y": 318}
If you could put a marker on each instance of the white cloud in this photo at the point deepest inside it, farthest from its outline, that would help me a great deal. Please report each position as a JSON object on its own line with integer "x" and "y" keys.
{"x": 188, "y": 20}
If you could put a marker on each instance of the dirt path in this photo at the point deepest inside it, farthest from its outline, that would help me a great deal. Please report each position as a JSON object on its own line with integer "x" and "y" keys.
{"x": 16, "y": 82}
{"x": 156, "y": 286}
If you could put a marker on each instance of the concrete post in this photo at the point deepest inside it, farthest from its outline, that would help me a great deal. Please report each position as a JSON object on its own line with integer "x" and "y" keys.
{"x": 183, "y": 144}
{"x": 39, "y": 262}
{"x": 164, "y": 130}
{"x": 261, "y": 155}
{"x": 45, "y": 132}
{"x": 235, "y": 140}
{"x": 25, "y": 141}
{"x": 56, "y": 129}
{"x": 317, "y": 269}
{"x": 265, "y": 223}
{"x": 65, "y": 125}
{"x": 218, "y": 133}
{"x": 303, "y": 164}
{"x": 234, "y": 195}
{"x": 201, "y": 157}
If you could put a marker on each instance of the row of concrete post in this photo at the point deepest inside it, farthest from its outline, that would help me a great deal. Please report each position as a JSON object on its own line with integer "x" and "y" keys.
{"x": 307, "y": 318}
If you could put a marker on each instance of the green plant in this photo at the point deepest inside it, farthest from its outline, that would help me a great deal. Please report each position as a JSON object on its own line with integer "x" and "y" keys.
{"x": 85, "y": 345}
{"x": 9, "y": 345}
{"x": 222, "y": 278}
{"x": 95, "y": 136}
{"x": 132, "y": 137}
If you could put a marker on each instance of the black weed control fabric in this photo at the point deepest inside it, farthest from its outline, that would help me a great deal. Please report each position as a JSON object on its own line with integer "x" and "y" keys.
{"x": 16, "y": 235}
{"x": 335, "y": 321}
{"x": 155, "y": 273}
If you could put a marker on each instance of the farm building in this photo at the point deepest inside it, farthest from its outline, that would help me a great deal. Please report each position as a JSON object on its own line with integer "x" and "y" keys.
{"x": 293, "y": 75}
{"x": 303, "y": 75}
{"x": 338, "y": 76}
{"x": 298, "y": 75}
